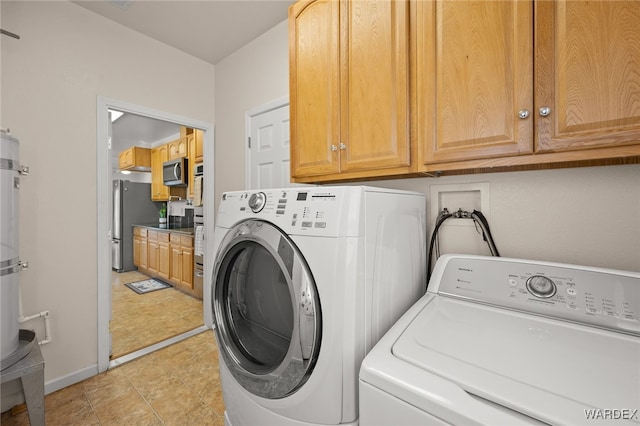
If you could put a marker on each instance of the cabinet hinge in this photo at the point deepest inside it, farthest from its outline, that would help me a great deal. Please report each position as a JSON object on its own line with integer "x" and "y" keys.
{"x": 109, "y": 143}
{"x": 249, "y": 140}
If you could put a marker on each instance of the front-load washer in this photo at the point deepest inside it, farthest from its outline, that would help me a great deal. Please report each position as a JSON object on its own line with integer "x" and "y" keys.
{"x": 305, "y": 282}
{"x": 500, "y": 341}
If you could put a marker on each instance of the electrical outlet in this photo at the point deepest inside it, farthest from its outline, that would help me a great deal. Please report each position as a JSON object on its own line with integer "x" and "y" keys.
{"x": 465, "y": 196}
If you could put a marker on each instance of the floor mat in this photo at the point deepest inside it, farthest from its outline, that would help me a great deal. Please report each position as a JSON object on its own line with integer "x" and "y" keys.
{"x": 147, "y": 286}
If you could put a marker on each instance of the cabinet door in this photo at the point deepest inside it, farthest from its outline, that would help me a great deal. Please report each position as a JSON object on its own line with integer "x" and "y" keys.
{"x": 144, "y": 262}
{"x": 374, "y": 85}
{"x": 474, "y": 74}
{"x": 192, "y": 161}
{"x": 153, "y": 259}
{"x": 587, "y": 74}
{"x": 314, "y": 91}
{"x": 164, "y": 258}
{"x": 176, "y": 263}
{"x": 136, "y": 251}
{"x": 159, "y": 191}
{"x": 126, "y": 159}
{"x": 198, "y": 153}
{"x": 187, "y": 267}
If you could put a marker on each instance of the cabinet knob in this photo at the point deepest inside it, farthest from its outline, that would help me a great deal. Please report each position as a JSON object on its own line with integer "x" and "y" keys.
{"x": 523, "y": 113}
{"x": 342, "y": 146}
{"x": 544, "y": 111}
{"x": 334, "y": 148}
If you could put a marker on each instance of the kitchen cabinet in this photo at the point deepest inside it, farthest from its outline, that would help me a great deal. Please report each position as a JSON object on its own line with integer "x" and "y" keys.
{"x": 196, "y": 148}
{"x": 192, "y": 161}
{"x": 182, "y": 260}
{"x": 159, "y": 191}
{"x": 164, "y": 256}
{"x": 140, "y": 247}
{"x": 349, "y": 89}
{"x": 135, "y": 159}
{"x": 153, "y": 258}
{"x": 178, "y": 148}
{"x": 196, "y": 155}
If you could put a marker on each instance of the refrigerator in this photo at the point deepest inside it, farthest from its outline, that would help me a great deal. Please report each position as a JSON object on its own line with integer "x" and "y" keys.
{"x": 132, "y": 205}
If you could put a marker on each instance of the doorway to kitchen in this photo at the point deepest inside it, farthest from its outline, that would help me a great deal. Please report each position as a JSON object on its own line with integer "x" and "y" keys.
{"x": 162, "y": 310}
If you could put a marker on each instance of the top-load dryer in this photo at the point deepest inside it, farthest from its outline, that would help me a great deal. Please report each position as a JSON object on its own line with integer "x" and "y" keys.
{"x": 305, "y": 282}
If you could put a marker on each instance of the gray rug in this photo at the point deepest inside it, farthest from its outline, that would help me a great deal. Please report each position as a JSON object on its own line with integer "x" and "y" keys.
{"x": 147, "y": 286}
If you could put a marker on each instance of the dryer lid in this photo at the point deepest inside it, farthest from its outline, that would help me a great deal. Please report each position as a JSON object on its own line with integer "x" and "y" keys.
{"x": 547, "y": 369}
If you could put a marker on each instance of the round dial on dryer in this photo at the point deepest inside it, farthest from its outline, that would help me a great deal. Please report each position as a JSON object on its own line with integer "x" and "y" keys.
{"x": 541, "y": 286}
{"x": 257, "y": 200}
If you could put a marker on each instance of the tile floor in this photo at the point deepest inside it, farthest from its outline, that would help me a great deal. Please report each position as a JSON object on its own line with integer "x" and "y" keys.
{"x": 140, "y": 320}
{"x": 177, "y": 385}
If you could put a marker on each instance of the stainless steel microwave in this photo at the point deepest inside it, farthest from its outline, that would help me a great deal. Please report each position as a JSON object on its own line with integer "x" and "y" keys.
{"x": 175, "y": 172}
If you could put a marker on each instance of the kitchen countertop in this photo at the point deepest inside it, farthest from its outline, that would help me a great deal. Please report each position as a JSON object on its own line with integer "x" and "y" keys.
{"x": 171, "y": 228}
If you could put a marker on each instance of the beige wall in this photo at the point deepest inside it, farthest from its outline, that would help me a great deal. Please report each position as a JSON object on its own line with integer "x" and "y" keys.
{"x": 51, "y": 78}
{"x": 588, "y": 216}
{"x": 249, "y": 78}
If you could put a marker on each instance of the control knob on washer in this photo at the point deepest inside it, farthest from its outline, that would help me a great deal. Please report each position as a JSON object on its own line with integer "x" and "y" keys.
{"x": 257, "y": 201}
{"x": 541, "y": 286}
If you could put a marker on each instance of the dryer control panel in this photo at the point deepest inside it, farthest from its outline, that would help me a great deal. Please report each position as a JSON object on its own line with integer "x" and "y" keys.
{"x": 600, "y": 297}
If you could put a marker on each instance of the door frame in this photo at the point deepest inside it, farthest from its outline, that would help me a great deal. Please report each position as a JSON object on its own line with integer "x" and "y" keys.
{"x": 269, "y": 106}
{"x": 103, "y": 194}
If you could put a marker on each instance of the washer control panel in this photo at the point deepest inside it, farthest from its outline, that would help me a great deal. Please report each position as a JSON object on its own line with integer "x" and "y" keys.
{"x": 601, "y": 297}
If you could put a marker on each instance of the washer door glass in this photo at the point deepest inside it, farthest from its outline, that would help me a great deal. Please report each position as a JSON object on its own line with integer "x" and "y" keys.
{"x": 266, "y": 310}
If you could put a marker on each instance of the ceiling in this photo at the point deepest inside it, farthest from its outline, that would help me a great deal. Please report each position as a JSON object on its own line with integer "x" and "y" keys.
{"x": 207, "y": 29}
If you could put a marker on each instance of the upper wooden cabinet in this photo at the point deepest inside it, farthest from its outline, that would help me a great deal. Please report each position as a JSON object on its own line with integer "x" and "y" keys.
{"x": 178, "y": 148}
{"x": 135, "y": 159}
{"x": 485, "y": 97}
{"x": 428, "y": 87}
{"x": 349, "y": 88}
{"x": 198, "y": 146}
{"x": 159, "y": 191}
{"x": 473, "y": 79}
{"x": 587, "y": 74}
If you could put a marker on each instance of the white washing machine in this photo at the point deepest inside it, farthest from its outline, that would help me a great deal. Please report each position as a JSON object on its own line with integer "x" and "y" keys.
{"x": 305, "y": 282}
{"x": 504, "y": 342}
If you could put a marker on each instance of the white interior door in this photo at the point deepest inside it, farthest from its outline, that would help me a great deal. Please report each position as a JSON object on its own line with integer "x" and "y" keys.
{"x": 268, "y": 146}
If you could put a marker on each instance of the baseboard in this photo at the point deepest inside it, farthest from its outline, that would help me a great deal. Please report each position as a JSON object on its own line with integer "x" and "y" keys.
{"x": 70, "y": 379}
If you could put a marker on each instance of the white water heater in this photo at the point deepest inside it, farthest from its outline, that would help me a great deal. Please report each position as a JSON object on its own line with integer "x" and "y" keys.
{"x": 9, "y": 262}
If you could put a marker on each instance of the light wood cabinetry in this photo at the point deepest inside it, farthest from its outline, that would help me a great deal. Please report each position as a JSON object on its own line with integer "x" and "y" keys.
{"x": 153, "y": 259}
{"x": 473, "y": 74}
{"x": 166, "y": 255}
{"x": 485, "y": 99}
{"x": 423, "y": 87}
{"x": 182, "y": 260}
{"x": 587, "y": 74}
{"x": 349, "y": 91}
{"x": 135, "y": 159}
{"x": 159, "y": 191}
{"x": 140, "y": 247}
{"x": 196, "y": 155}
{"x": 198, "y": 151}
{"x": 178, "y": 148}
